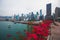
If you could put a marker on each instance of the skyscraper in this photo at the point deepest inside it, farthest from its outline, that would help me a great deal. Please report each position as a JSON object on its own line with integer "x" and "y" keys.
{"x": 41, "y": 12}
{"x": 37, "y": 16}
{"x": 29, "y": 16}
{"x": 32, "y": 16}
{"x": 22, "y": 17}
{"x": 57, "y": 13}
{"x": 16, "y": 17}
{"x": 48, "y": 11}
{"x": 41, "y": 16}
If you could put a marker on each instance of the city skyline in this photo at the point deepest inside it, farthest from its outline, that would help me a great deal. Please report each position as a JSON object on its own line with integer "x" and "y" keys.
{"x": 11, "y": 7}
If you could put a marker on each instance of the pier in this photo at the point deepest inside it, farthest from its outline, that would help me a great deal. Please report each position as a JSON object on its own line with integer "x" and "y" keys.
{"x": 29, "y": 22}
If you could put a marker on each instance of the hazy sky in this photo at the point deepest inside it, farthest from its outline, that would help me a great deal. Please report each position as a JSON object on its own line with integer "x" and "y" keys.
{"x": 11, "y": 7}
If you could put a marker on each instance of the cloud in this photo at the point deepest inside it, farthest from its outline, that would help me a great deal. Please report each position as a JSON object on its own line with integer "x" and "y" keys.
{"x": 11, "y": 7}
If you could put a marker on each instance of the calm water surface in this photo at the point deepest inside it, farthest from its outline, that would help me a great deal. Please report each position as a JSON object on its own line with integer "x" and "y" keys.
{"x": 4, "y": 30}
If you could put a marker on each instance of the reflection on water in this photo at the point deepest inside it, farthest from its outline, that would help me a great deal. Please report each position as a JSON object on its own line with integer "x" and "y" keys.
{"x": 7, "y": 28}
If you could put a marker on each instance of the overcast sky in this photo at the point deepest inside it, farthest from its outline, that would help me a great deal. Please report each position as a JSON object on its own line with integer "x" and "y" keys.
{"x": 11, "y": 7}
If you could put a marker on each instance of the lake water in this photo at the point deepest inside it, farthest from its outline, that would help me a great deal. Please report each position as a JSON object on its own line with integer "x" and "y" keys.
{"x": 4, "y": 30}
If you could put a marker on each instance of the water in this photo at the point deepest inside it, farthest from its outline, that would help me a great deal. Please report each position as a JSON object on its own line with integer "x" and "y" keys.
{"x": 7, "y": 27}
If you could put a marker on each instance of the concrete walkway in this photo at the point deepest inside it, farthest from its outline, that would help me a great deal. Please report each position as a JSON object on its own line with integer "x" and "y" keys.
{"x": 55, "y": 31}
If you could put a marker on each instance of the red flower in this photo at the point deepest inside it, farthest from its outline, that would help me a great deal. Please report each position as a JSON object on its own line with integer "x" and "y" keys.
{"x": 28, "y": 34}
{"x": 42, "y": 29}
{"x": 29, "y": 37}
{"x": 34, "y": 36}
{"x": 33, "y": 31}
{"x": 44, "y": 25}
{"x": 41, "y": 39}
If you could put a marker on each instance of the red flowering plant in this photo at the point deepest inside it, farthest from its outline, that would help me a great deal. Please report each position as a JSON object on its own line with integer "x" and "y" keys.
{"x": 39, "y": 32}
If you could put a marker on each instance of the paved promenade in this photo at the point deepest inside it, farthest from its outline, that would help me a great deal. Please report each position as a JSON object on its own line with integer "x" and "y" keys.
{"x": 55, "y": 31}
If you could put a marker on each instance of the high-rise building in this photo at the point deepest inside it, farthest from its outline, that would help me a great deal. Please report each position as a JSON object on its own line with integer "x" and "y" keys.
{"x": 16, "y": 17}
{"x": 32, "y": 16}
{"x": 48, "y": 11}
{"x": 57, "y": 13}
{"x": 41, "y": 12}
{"x": 37, "y": 16}
{"x": 41, "y": 16}
{"x": 22, "y": 17}
{"x": 29, "y": 16}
